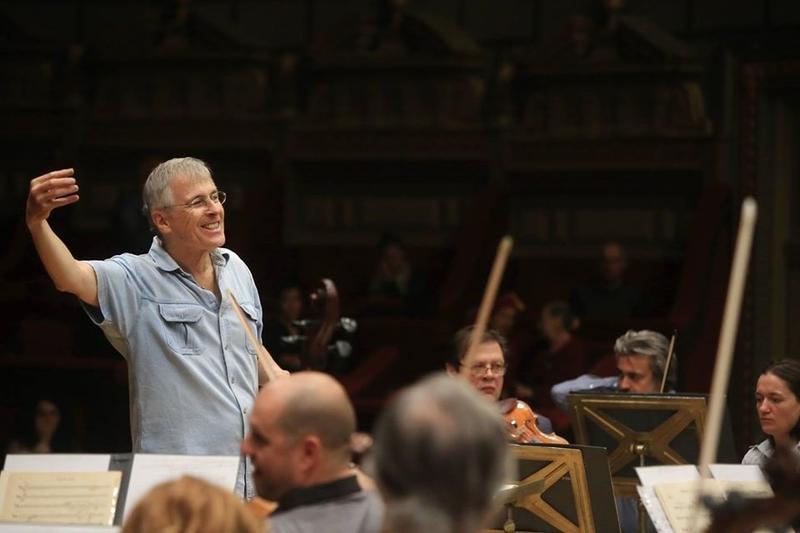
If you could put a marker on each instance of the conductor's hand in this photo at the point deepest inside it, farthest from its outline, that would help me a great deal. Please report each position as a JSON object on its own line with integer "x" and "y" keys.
{"x": 49, "y": 191}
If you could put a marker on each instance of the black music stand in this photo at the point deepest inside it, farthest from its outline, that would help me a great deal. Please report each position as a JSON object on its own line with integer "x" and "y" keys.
{"x": 576, "y": 496}
{"x": 644, "y": 430}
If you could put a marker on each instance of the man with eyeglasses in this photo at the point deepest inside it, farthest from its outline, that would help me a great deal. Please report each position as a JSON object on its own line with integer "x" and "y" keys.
{"x": 485, "y": 367}
{"x": 193, "y": 375}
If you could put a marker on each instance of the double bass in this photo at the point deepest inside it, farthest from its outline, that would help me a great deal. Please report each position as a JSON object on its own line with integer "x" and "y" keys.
{"x": 316, "y": 338}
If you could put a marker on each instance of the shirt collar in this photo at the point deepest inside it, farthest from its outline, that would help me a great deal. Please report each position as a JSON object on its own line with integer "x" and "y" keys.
{"x": 765, "y": 447}
{"x": 165, "y": 262}
{"x": 318, "y": 493}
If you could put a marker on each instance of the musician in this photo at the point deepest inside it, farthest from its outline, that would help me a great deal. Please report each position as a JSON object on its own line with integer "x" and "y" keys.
{"x": 641, "y": 358}
{"x": 281, "y": 335}
{"x": 504, "y": 313}
{"x": 299, "y": 443}
{"x": 192, "y": 374}
{"x": 564, "y": 358}
{"x": 778, "y": 406}
{"x": 485, "y": 367}
{"x": 439, "y": 457}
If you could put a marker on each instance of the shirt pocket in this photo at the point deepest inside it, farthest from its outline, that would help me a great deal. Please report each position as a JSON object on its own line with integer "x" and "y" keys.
{"x": 180, "y": 323}
{"x": 251, "y": 316}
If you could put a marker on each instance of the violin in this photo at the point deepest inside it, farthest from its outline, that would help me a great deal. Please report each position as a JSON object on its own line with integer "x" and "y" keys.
{"x": 521, "y": 422}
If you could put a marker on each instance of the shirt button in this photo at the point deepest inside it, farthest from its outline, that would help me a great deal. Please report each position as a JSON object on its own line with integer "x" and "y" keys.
{"x": 233, "y": 381}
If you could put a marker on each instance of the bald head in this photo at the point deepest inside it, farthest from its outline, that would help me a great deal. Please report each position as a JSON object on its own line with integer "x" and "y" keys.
{"x": 312, "y": 403}
{"x": 299, "y": 436}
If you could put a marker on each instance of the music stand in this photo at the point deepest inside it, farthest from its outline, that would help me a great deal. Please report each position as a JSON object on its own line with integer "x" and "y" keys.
{"x": 644, "y": 430}
{"x": 576, "y": 494}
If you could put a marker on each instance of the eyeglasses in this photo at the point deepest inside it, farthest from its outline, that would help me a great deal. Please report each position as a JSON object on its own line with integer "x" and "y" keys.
{"x": 203, "y": 202}
{"x": 498, "y": 369}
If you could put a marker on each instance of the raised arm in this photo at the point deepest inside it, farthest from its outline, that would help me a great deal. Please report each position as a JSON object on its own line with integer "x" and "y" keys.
{"x": 48, "y": 192}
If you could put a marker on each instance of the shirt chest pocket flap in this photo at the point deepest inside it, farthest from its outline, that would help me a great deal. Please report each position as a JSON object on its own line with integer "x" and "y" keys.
{"x": 252, "y": 317}
{"x": 181, "y": 326}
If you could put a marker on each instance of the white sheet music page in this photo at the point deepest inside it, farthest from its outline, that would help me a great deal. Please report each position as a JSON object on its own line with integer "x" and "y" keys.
{"x": 59, "y": 497}
{"x": 148, "y": 470}
{"x": 57, "y": 462}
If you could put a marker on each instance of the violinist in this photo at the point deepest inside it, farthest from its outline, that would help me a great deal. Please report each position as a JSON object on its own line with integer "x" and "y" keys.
{"x": 778, "y": 406}
{"x": 563, "y": 358}
{"x": 281, "y": 334}
{"x": 641, "y": 358}
{"x": 485, "y": 367}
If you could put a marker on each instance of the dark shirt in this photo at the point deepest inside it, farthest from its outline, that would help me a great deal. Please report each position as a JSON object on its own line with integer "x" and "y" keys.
{"x": 546, "y": 368}
{"x": 599, "y": 299}
{"x": 339, "y": 506}
{"x": 318, "y": 493}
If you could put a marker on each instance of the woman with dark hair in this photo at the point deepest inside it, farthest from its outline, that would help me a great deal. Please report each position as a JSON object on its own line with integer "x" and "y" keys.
{"x": 778, "y": 406}
{"x": 563, "y": 358}
{"x": 43, "y": 430}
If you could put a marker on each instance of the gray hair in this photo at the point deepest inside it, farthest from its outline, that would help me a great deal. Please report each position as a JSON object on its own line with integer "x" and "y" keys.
{"x": 439, "y": 457}
{"x": 157, "y": 193}
{"x": 652, "y": 345}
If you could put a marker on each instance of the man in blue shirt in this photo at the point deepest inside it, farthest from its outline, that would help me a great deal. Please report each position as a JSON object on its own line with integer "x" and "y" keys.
{"x": 193, "y": 375}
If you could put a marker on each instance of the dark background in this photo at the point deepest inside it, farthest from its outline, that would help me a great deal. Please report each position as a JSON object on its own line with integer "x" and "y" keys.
{"x": 446, "y": 122}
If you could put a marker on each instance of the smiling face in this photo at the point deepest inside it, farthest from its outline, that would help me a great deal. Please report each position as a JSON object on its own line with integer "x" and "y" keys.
{"x": 778, "y": 407}
{"x": 187, "y": 229}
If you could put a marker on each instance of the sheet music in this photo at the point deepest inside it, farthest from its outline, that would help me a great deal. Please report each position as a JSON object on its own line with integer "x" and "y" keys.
{"x": 653, "y": 475}
{"x": 148, "y": 470}
{"x": 681, "y": 506}
{"x": 654, "y": 509}
{"x": 59, "y": 497}
{"x": 737, "y": 472}
{"x": 34, "y": 528}
{"x": 668, "y": 492}
{"x": 57, "y": 462}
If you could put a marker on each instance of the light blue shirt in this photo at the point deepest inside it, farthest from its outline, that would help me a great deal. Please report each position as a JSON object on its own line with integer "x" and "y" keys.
{"x": 192, "y": 373}
{"x": 561, "y": 391}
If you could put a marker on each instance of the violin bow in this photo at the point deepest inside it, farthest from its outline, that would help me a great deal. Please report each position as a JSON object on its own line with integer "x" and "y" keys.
{"x": 727, "y": 339}
{"x": 490, "y": 292}
{"x": 669, "y": 360}
{"x": 265, "y": 360}
{"x": 730, "y": 322}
